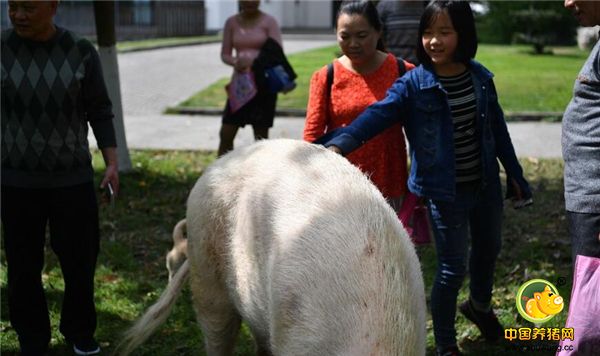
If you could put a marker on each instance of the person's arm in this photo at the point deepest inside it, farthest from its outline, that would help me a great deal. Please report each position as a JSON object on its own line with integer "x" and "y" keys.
{"x": 274, "y": 31}
{"x": 111, "y": 175}
{"x": 317, "y": 110}
{"x": 408, "y": 65}
{"x": 517, "y": 187}
{"x": 98, "y": 109}
{"x": 227, "y": 44}
{"x": 374, "y": 120}
{"x": 240, "y": 64}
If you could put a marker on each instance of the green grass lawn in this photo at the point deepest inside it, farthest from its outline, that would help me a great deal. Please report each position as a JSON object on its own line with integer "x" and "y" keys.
{"x": 530, "y": 82}
{"x": 525, "y": 81}
{"x": 136, "y": 234}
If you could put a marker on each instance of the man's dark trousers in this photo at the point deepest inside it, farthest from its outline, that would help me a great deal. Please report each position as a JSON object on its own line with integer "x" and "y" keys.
{"x": 72, "y": 215}
{"x": 584, "y": 230}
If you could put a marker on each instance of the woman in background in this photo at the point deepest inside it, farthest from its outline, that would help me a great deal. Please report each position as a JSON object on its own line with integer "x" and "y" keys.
{"x": 246, "y": 32}
{"x": 361, "y": 77}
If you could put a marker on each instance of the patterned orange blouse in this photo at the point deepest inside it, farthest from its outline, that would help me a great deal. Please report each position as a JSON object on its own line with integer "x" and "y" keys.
{"x": 384, "y": 157}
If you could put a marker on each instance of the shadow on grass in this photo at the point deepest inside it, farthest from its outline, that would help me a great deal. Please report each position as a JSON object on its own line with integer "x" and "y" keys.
{"x": 557, "y": 52}
{"x": 57, "y": 345}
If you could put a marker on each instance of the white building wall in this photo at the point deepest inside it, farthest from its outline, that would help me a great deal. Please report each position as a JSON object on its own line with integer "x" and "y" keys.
{"x": 216, "y": 12}
{"x": 290, "y": 14}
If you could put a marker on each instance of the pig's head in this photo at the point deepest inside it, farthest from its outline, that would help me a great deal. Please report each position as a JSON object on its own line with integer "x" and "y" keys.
{"x": 549, "y": 302}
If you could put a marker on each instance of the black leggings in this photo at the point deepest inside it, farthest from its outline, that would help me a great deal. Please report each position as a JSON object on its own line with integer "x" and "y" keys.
{"x": 72, "y": 215}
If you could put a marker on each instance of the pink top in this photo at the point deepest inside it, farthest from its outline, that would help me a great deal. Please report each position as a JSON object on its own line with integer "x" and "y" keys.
{"x": 247, "y": 41}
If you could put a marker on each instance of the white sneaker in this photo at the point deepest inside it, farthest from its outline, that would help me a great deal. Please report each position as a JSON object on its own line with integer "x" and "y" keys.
{"x": 90, "y": 347}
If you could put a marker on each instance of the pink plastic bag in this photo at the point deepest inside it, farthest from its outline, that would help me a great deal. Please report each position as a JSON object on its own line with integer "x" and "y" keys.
{"x": 584, "y": 309}
{"x": 415, "y": 218}
{"x": 240, "y": 90}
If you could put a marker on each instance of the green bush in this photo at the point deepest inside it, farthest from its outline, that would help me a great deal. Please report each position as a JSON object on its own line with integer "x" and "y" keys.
{"x": 503, "y": 23}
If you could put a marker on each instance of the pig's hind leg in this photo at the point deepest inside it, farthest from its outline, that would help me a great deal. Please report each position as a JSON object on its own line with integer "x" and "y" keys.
{"x": 217, "y": 316}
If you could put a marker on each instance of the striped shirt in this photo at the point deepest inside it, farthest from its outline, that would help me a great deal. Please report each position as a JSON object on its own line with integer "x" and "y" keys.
{"x": 463, "y": 108}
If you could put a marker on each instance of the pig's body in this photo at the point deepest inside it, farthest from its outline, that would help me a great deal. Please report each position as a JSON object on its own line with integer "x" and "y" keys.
{"x": 298, "y": 243}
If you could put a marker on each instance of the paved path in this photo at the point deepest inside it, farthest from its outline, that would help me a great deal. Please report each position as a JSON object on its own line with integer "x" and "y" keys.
{"x": 175, "y": 132}
{"x": 153, "y": 80}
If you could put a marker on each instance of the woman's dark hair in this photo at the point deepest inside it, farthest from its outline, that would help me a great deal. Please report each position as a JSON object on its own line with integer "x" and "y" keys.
{"x": 464, "y": 24}
{"x": 366, "y": 9}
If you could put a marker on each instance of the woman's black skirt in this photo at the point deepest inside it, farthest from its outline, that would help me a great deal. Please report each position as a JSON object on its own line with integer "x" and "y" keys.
{"x": 258, "y": 112}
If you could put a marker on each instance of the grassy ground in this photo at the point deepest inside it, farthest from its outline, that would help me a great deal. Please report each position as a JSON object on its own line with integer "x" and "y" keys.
{"x": 530, "y": 82}
{"x": 525, "y": 82}
{"x": 136, "y": 234}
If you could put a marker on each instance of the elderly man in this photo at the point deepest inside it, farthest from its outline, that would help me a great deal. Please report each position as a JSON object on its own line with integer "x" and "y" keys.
{"x": 52, "y": 86}
{"x": 581, "y": 152}
{"x": 581, "y": 144}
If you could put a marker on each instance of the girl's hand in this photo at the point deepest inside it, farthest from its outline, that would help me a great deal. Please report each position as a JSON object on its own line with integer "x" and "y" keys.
{"x": 242, "y": 64}
{"x": 335, "y": 149}
{"x": 519, "y": 201}
{"x": 516, "y": 190}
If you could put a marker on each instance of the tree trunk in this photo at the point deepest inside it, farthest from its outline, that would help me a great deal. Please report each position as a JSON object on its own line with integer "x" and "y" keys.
{"x": 539, "y": 48}
{"x": 104, "y": 14}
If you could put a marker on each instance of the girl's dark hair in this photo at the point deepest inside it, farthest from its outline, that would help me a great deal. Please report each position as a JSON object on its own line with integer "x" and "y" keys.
{"x": 366, "y": 9}
{"x": 464, "y": 24}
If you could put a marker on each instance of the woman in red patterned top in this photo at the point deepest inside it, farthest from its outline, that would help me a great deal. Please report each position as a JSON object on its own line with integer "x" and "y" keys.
{"x": 361, "y": 77}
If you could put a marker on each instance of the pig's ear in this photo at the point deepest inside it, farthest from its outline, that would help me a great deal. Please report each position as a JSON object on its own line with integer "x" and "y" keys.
{"x": 547, "y": 289}
{"x": 537, "y": 295}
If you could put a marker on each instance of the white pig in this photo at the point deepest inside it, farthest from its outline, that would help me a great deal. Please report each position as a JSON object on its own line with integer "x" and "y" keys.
{"x": 298, "y": 243}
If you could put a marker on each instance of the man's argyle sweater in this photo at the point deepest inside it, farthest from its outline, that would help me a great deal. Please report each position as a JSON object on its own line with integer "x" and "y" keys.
{"x": 50, "y": 91}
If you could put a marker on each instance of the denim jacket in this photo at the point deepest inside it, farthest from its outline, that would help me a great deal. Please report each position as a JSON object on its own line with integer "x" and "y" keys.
{"x": 419, "y": 102}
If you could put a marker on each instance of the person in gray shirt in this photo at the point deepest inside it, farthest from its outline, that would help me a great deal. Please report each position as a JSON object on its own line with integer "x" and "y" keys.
{"x": 581, "y": 144}
{"x": 581, "y": 152}
{"x": 400, "y": 19}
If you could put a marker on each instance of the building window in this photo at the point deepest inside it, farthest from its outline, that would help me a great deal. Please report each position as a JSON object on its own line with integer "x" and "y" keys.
{"x": 138, "y": 12}
{"x": 142, "y": 14}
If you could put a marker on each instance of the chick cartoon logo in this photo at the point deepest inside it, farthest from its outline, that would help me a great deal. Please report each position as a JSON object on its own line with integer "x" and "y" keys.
{"x": 538, "y": 301}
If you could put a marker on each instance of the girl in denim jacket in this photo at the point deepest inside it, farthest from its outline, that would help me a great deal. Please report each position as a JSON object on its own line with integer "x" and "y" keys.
{"x": 456, "y": 130}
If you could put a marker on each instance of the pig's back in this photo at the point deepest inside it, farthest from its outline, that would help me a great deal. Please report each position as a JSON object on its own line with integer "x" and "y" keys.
{"x": 316, "y": 251}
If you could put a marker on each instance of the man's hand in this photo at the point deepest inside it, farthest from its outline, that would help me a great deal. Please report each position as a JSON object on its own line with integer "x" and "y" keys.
{"x": 111, "y": 175}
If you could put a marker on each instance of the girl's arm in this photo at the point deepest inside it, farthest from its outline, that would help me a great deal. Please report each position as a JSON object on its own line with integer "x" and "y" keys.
{"x": 374, "y": 120}
{"x": 274, "y": 31}
{"x": 317, "y": 110}
{"x": 517, "y": 186}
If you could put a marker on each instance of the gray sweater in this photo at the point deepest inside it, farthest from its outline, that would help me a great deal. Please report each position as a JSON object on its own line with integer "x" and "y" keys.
{"x": 400, "y": 21}
{"x": 581, "y": 139}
